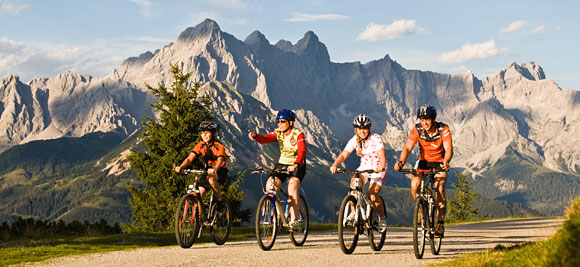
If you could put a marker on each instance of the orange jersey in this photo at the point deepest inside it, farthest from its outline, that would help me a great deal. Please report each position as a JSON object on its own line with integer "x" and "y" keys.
{"x": 217, "y": 150}
{"x": 431, "y": 147}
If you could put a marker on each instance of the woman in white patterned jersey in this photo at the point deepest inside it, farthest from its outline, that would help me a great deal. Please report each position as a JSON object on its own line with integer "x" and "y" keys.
{"x": 369, "y": 147}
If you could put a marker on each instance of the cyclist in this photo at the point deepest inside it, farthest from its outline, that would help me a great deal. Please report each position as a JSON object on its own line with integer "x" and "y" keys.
{"x": 436, "y": 150}
{"x": 369, "y": 147}
{"x": 292, "y": 157}
{"x": 213, "y": 153}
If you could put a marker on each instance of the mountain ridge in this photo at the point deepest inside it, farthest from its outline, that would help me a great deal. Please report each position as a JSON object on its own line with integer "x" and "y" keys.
{"x": 509, "y": 110}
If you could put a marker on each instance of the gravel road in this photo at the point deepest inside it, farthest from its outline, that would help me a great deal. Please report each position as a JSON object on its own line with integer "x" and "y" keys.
{"x": 322, "y": 249}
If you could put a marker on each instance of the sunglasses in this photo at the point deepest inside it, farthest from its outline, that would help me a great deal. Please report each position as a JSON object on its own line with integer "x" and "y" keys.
{"x": 282, "y": 121}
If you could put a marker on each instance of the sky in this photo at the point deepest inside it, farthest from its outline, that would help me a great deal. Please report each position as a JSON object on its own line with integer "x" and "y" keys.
{"x": 40, "y": 38}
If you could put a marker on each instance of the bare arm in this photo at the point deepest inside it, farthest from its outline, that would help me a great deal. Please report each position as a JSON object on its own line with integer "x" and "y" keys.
{"x": 382, "y": 160}
{"x": 448, "y": 154}
{"x": 341, "y": 157}
{"x": 185, "y": 162}
{"x": 404, "y": 154}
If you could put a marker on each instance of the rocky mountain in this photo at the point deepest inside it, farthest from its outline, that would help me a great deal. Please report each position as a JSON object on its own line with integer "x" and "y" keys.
{"x": 516, "y": 114}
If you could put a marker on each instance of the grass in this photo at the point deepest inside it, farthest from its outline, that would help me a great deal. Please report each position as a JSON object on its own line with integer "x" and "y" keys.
{"x": 562, "y": 249}
{"x": 34, "y": 250}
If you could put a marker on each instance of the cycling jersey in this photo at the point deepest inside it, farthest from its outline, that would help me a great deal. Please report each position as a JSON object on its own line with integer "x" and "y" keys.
{"x": 431, "y": 147}
{"x": 216, "y": 150}
{"x": 369, "y": 155}
{"x": 292, "y": 145}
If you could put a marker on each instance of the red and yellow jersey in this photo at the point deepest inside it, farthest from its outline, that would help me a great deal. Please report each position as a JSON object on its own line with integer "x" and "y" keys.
{"x": 431, "y": 147}
{"x": 217, "y": 150}
{"x": 292, "y": 145}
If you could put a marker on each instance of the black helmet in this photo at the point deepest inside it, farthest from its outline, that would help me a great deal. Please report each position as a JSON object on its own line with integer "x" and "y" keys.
{"x": 207, "y": 126}
{"x": 362, "y": 121}
{"x": 286, "y": 114}
{"x": 426, "y": 112}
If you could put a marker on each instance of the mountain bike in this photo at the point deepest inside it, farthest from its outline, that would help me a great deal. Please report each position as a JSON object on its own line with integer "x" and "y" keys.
{"x": 192, "y": 215}
{"x": 425, "y": 213}
{"x": 271, "y": 216}
{"x": 357, "y": 215}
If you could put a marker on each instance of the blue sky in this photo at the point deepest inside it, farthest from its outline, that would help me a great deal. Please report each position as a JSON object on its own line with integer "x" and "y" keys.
{"x": 45, "y": 38}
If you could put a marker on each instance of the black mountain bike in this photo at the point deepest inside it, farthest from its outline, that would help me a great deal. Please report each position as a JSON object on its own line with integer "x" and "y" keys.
{"x": 425, "y": 213}
{"x": 192, "y": 216}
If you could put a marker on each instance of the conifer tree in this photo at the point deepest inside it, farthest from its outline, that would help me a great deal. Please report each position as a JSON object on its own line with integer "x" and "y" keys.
{"x": 168, "y": 139}
{"x": 461, "y": 208}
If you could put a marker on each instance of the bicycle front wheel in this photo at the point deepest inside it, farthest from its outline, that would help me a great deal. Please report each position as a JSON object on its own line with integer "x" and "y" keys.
{"x": 266, "y": 222}
{"x": 187, "y": 221}
{"x": 348, "y": 229}
{"x": 419, "y": 227}
{"x": 298, "y": 237}
{"x": 376, "y": 237}
{"x": 220, "y": 218}
{"x": 434, "y": 241}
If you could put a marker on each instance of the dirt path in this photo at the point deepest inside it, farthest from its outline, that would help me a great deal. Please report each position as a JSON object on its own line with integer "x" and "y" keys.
{"x": 322, "y": 249}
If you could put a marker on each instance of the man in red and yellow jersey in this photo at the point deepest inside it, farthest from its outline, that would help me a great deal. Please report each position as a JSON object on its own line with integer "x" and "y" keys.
{"x": 292, "y": 157}
{"x": 436, "y": 150}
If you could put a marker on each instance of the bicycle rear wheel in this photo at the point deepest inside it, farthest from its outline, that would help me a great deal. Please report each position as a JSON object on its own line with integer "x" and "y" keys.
{"x": 434, "y": 241}
{"x": 419, "y": 227}
{"x": 266, "y": 222}
{"x": 376, "y": 237}
{"x": 187, "y": 221}
{"x": 221, "y": 216}
{"x": 298, "y": 237}
{"x": 348, "y": 229}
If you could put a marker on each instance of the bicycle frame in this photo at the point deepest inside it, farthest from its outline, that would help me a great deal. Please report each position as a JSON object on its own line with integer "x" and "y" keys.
{"x": 193, "y": 189}
{"x": 273, "y": 192}
{"x": 362, "y": 209}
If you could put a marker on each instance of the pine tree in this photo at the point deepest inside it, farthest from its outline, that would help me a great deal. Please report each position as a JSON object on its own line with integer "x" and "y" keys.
{"x": 168, "y": 140}
{"x": 461, "y": 208}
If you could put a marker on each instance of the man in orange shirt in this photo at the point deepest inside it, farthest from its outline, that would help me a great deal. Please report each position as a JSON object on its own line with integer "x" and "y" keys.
{"x": 436, "y": 150}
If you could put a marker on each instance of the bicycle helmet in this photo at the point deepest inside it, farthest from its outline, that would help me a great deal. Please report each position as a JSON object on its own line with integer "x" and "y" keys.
{"x": 362, "y": 121}
{"x": 426, "y": 112}
{"x": 286, "y": 114}
{"x": 207, "y": 126}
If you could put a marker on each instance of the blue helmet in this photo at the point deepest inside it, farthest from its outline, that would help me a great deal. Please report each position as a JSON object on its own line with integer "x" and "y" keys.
{"x": 286, "y": 114}
{"x": 426, "y": 112}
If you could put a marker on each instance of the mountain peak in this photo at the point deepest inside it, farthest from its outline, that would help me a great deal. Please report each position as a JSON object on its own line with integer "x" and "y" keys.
{"x": 207, "y": 27}
{"x": 257, "y": 39}
{"x": 529, "y": 70}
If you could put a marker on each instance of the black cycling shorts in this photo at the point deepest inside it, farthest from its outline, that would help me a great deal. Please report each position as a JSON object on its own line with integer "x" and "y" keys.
{"x": 298, "y": 173}
{"x": 427, "y": 165}
{"x": 222, "y": 176}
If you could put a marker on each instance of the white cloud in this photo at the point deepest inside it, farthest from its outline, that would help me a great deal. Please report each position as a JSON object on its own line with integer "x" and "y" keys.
{"x": 399, "y": 28}
{"x": 540, "y": 29}
{"x": 470, "y": 51}
{"x": 302, "y": 17}
{"x": 148, "y": 8}
{"x": 516, "y": 25}
{"x": 12, "y": 9}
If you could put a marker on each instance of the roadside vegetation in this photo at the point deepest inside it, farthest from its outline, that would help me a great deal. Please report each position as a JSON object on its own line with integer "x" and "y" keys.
{"x": 562, "y": 249}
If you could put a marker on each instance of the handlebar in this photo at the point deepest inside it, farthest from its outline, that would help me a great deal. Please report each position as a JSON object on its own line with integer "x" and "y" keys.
{"x": 356, "y": 172}
{"x": 272, "y": 170}
{"x": 425, "y": 171}
{"x": 188, "y": 171}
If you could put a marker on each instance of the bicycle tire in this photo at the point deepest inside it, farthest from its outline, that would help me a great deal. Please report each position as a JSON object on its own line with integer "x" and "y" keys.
{"x": 298, "y": 237}
{"x": 419, "y": 228}
{"x": 266, "y": 222}
{"x": 434, "y": 241}
{"x": 187, "y": 221}
{"x": 376, "y": 237}
{"x": 221, "y": 216}
{"x": 348, "y": 231}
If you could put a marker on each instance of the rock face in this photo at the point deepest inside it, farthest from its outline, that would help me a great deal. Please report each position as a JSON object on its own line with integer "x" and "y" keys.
{"x": 516, "y": 109}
